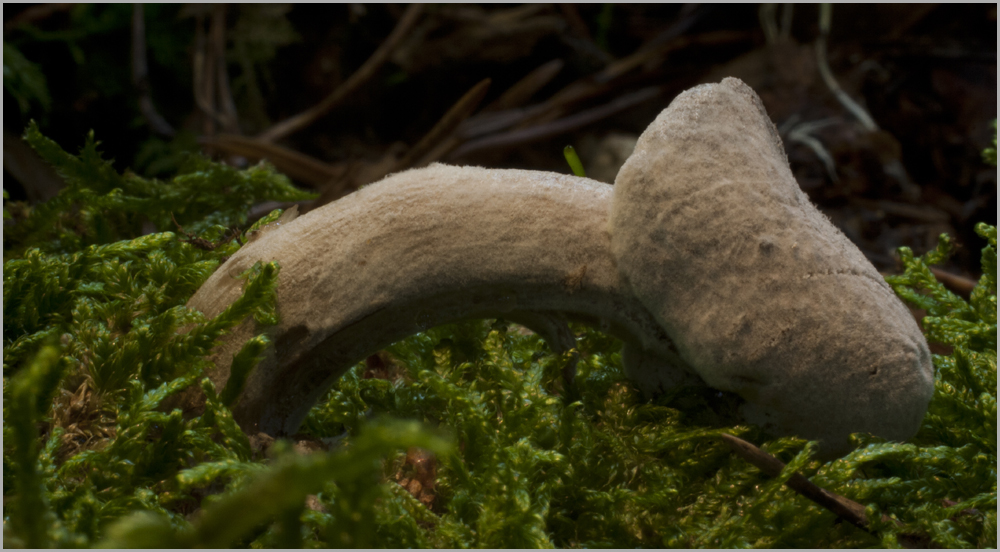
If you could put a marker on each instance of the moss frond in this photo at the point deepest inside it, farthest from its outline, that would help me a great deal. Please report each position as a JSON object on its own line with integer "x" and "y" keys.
{"x": 101, "y": 206}
{"x": 97, "y": 339}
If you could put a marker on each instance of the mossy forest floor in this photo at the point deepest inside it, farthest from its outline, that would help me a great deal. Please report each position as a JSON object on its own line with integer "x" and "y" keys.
{"x": 464, "y": 435}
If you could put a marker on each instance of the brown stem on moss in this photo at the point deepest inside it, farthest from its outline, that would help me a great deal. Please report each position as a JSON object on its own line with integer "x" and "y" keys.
{"x": 771, "y": 466}
{"x": 842, "y": 506}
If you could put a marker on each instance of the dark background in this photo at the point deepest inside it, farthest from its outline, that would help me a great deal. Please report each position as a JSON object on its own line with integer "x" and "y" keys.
{"x": 926, "y": 74}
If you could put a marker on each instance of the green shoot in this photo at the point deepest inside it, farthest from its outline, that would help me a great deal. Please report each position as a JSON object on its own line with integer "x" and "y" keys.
{"x": 574, "y": 161}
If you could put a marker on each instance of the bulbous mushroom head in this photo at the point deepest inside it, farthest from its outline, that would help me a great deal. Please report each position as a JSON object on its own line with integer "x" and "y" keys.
{"x": 761, "y": 294}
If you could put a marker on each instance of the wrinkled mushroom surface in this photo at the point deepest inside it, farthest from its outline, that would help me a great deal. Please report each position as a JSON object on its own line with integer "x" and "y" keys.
{"x": 761, "y": 293}
{"x": 705, "y": 258}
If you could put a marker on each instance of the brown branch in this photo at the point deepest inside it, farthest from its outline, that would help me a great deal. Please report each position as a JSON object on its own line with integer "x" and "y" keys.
{"x": 506, "y": 111}
{"x": 227, "y": 116}
{"x": 362, "y": 75}
{"x": 522, "y": 91}
{"x": 202, "y": 78}
{"x": 600, "y": 83}
{"x": 958, "y": 284}
{"x": 592, "y": 85}
{"x": 202, "y": 243}
{"x": 576, "y": 23}
{"x": 842, "y": 506}
{"x": 39, "y": 180}
{"x": 296, "y": 165}
{"x": 560, "y": 126}
{"x": 444, "y": 128}
{"x": 486, "y": 123}
{"x": 140, "y": 76}
{"x": 688, "y": 16}
{"x": 588, "y": 88}
{"x": 33, "y": 14}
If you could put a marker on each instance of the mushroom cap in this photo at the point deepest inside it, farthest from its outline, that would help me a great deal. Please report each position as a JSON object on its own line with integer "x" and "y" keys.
{"x": 761, "y": 293}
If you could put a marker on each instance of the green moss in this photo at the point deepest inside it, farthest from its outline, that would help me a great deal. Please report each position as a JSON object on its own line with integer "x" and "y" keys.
{"x": 24, "y": 81}
{"x": 97, "y": 340}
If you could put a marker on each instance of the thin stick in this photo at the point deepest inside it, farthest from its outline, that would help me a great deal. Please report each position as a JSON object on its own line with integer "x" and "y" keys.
{"x": 297, "y": 165}
{"x": 597, "y": 84}
{"x": 449, "y": 121}
{"x": 576, "y": 23}
{"x": 771, "y": 466}
{"x": 524, "y": 89}
{"x": 140, "y": 75}
{"x": 228, "y": 117}
{"x": 842, "y": 506}
{"x": 33, "y": 14}
{"x": 207, "y": 58}
{"x": 489, "y": 122}
{"x": 959, "y": 284}
{"x": 560, "y": 126}
{"x": 362, "y": 75}
{"x": 825, "y": 11}
{"x": 203, "y": 77}
{"x": 688, "y": 16}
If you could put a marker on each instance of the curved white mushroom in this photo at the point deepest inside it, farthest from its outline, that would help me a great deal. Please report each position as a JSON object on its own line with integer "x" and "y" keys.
{"x": 760, "y": 291}
{"x": 712, "y": 246}
{"x": 419, "y": 249}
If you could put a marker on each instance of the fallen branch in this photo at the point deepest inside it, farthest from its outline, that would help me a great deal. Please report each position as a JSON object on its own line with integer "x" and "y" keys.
{"x": 845, "y": 508}
{"x": 224, "y": 97}
{"x": 560, "y": 126}
{"x": 34, "y": 14}
{"x": 771, "y": 466}
{"x": 958, "y": 284}
{"x": 522, "y": 91}
{"x": 202, "y": 243}
{"x": 140, "y": 76}
{"x": 363, "y": 74}
{"x": 297, "y": 165}
{"x": 443, "y": 130}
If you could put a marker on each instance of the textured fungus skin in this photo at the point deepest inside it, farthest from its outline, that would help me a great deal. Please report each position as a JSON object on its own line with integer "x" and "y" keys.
{"x": 416, "y": 250}
{"x": 705, "y": 258}
{"x": 762, "y": 295}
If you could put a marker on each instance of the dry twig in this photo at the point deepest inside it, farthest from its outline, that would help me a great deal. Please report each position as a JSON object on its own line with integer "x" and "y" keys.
{"x": 202, "y": 68}
{"x": 771, "y": 466}
{"x": 362, "y": 75}
{"x": 843, "y": 507}
{"x": 35, "y": 13}
{"x": 39, "y": 180}
{"x": 441, "y": 133}
{"x": 561, "y": 126}
{"x": 202, "y": 243}
{"x": 576, "y": 23}
{"x": 212, "y": 94}
{"x": 227, "y": 106}
{"x": 140, "y": 76}
{"x": 296, "y": 165}
{"x": 958, "y": 284}
{"x": 522, "y": 91}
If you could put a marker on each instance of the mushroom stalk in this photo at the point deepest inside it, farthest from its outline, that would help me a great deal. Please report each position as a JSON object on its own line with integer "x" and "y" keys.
{"x": 416, "y": 250}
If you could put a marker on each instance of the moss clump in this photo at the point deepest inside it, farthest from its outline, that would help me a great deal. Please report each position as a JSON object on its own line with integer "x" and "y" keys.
{"x": 96, "y": 337}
